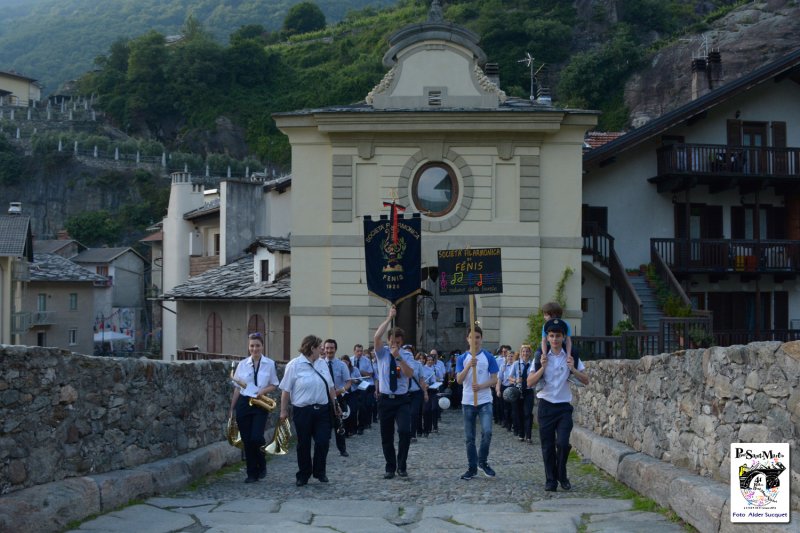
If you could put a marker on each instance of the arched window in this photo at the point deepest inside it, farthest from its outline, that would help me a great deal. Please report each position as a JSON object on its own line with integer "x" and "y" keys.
{"x": 214, "y": 333}
{"x": 256, "y": 325}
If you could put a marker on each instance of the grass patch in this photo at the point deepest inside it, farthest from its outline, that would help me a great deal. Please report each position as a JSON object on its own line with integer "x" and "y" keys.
{"x": 214, "y": 476}
{"x": 623, "y": 492}
{"x": 74, "y": 524}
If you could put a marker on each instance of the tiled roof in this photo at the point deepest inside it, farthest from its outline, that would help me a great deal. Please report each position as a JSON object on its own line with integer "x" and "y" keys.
{"x": 594, "y": 139}
{"x": 154, "y": 237}
{"x": 99, "y": 255}
{"x": 53, "y": 267}
{"x": 273, "y": 244}
{"x": 278, "y": 183}
{"x": 233, "y": 281}
{"x": 209, "y": 207}
{"x": 15, "y": 234}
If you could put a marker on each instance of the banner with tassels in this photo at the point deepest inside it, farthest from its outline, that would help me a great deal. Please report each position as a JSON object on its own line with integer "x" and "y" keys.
{"x": 393, "y": 252}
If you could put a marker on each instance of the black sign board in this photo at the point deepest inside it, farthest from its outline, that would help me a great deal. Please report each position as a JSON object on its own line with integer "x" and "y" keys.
{"x": 470, "y": 271}
{"x": 392, "y": 247}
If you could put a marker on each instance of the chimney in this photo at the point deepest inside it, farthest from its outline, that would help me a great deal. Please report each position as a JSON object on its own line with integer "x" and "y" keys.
{"x": 62, "y": 235}
{"x": 15, "y": 208}
{"x": 492, "y": 71}
{"x": 699, "y": 78}
{"x": 714, "y": 69}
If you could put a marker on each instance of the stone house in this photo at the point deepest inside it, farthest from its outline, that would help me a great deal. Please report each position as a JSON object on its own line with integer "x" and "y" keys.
{"x": 16, "y": 254}
{"x": 710, "y": 190}
{"x": 62, "y": 300}
{"x": 223, "y": 252}
{"x": 482, "y": 169}
{"x": 18, "y": 90}
{"x": 124, "y": 272}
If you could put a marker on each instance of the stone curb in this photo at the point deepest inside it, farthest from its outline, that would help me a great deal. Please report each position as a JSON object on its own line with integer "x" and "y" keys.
{"x": 51, "y": 506}
{"x": 701, "y": 502}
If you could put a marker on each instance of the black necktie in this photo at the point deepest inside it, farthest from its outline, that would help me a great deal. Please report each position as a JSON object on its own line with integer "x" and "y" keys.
{"x": 330, "y": 369}
{"x": 525, "y": 377}
{"x": 392, "y": 375}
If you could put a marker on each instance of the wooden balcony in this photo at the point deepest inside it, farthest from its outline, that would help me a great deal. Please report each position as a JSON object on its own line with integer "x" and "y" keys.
{"x": 721, "y": 166}
{"x": 723, "y": 256}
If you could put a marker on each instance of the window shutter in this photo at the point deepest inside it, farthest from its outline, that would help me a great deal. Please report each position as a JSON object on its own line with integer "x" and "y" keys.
{"x": 711, "y": 225}
{"x": 734, "y": 133}
{"x": 781, "y": 310}
{"x": 779, "y": 134}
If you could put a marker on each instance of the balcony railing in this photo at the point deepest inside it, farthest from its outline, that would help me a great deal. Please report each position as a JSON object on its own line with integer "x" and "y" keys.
{"x": 43, "y": 318}
{"x": 728, "y": 160}
{"x": 729, "y": 255}
{"x": 20, "y": 322}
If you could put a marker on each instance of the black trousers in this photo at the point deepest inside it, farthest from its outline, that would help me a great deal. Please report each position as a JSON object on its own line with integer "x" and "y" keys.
{"x": 507, "y": 419}
{"x": 251, "y": 422}
{"x": 417, "y": 399}
{"x": 523, "y": 414}
{"x": 312, "y": 421}
{"x": 395, "y": 411}
{"x": 555, "y": 426}
{"x": 497, "y": 406}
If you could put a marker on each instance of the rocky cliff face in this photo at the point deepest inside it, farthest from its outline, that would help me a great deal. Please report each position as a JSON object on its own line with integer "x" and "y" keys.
{"x": 747, "y": 38}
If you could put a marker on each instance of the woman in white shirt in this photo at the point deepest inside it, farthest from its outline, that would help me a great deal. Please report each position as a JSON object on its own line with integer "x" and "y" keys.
{"x": 257, "y": 374}
{"x": 307, "y": 386}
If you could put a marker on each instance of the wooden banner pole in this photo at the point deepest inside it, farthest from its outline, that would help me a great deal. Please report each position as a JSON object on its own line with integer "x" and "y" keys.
{"x": 472, "y": 346}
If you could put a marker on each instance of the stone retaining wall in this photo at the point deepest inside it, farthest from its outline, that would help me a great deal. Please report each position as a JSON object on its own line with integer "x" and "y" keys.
{"x": 687, "y": 408}
{"x": 65, "y": 415}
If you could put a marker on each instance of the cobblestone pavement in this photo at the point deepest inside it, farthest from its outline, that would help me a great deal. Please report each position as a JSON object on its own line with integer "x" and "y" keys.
{"x": 432, "y": 498}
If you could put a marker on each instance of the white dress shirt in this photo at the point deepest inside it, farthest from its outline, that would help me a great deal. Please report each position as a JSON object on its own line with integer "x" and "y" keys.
{"x": 304, "y": 385}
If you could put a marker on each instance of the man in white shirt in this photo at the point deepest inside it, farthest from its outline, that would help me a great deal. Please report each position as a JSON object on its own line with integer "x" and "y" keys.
{"x": 485, "y": 367}
{"x": 555, "y": 410}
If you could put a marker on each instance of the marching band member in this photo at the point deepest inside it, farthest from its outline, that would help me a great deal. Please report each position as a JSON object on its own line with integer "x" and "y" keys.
{"x": 394, "y": 405}
{"x": 367, "y": 405}
{"x": 308, "y": 387}
{"x": 428, "y": 411}
{"x": 341, "y": 383}
{"x": 418, "y": 390}
{"x": 555, "y": 409}
{"x": 258, "y": 373}
{"x": 522, "y": 409}
{"x": 353, "y": 398}
{"x": 441, "y": 374}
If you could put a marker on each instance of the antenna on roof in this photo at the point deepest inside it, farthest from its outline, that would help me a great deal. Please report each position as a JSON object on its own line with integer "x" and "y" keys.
{"x": 541, "y": 94}
{"x": 702, "y": 49}
{"x": 529, "y": 62}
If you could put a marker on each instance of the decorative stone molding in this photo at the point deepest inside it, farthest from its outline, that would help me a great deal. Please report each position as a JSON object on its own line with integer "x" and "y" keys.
{"x": 382, "y": 86}
{"x": 466, "y": 184}
{"x": 488, "y": 85}
{"x": 342, "y": 189}
{"x": 529, "y": 188}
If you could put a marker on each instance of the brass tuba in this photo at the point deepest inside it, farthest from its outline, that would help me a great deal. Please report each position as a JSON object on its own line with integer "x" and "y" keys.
{"x": 280, "y": 442}
{"x": 264, "y": 402}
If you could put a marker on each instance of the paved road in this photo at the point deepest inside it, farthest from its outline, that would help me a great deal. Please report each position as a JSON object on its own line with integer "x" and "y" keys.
{"x": 433, "y": 498}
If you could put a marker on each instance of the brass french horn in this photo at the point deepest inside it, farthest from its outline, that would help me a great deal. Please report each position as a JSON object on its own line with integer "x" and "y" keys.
{"x": 280, "y": 441}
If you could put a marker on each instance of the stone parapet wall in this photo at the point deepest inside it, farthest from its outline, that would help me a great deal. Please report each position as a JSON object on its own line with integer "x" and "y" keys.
{"x": 687, "y": 408}
{"x": 64, "y": 415}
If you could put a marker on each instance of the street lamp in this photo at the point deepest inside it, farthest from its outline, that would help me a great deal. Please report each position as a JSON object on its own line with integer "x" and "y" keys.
{"x": 425, "y": 295}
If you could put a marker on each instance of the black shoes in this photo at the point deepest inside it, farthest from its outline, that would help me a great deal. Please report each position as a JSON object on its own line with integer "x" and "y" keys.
{"x": 344, "y": 454}
{"x": 323, "y": 478}
{"x": 402, "y": 473}
{"x": 251, "y": 479}
{"x": 262, "y": 474}
{"x": 360, "y": 431}
{"x": 551, "y": 488}
{"x": 301, "y": 482}
{"x": 566, "y": 485}
{"x": 388, "y": 475}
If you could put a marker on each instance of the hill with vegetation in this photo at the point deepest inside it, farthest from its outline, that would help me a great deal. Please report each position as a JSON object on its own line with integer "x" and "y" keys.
{"x": 57, "y": 40}
{"x": 149, "y": 87}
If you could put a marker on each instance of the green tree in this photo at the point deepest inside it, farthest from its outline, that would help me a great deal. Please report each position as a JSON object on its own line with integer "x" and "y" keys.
{"x": 146, "y": 79}
{"x": 303, "y": 18}
{"x": 94, "y": 228}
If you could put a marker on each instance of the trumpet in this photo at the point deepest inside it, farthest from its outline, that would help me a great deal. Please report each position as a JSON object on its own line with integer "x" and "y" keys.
{"x": 280, "y": 440}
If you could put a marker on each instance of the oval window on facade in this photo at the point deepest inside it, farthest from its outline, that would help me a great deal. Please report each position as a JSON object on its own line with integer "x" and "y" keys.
{"x": 434, "y": 189}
